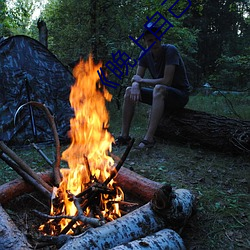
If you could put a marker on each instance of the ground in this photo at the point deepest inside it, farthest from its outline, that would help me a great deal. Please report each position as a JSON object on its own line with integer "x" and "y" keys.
{"x": 219, "y": 180}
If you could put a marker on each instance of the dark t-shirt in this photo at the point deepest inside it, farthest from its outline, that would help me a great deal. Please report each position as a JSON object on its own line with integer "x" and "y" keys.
{"x": 171, "y": 56}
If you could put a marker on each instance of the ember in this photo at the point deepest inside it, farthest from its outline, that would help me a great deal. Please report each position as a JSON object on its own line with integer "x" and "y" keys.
{"x": 87, "y": 188}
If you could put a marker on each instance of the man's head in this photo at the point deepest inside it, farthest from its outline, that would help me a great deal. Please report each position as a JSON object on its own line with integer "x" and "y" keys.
{"x": 151, "y": 28}
{"x": 150, "y": 33}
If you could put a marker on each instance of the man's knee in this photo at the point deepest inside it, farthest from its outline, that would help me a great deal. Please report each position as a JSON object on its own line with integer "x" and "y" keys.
{"x": 127, "y": 92}
{"x": 159, "y": 91}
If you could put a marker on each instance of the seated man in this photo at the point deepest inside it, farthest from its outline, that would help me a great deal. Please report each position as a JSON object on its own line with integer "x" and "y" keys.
{"x": 168, "y": 90}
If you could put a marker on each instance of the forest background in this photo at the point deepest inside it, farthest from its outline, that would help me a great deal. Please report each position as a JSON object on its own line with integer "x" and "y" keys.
{"x": 213, "y": 36}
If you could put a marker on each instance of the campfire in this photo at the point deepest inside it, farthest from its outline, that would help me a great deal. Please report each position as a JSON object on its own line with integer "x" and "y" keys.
{"x": 87, "y": 188}
{"x": 87, "y": 198}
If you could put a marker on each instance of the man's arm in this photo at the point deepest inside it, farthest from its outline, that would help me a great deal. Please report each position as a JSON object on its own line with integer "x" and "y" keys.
{"x": 135, "y": 93}
{"x": 166, "y": 80}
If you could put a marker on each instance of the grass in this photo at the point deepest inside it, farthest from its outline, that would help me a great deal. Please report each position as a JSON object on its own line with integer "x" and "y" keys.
{"x": 219, "y": 180}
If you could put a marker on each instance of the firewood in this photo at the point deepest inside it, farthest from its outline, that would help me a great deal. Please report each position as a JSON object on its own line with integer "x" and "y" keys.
{"x": 11, "y": 154}
{"x": 26, "y": 176}
{"x": 18, "y": 187}
{"x": 150, "y": 218}
{"x": 163, "y": 239}
{"x": 132, "y": 183}
{"x": 10, "y": 237}
{"x": 136, "y": 185}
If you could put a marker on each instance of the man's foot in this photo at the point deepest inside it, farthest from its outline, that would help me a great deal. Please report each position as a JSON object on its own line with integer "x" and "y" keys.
{"x": 146, "y": 144}
{"x": 122, "y": 141}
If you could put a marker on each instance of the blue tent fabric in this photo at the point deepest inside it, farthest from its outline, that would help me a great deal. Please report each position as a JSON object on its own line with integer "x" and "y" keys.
{"x": 29, "y": 71}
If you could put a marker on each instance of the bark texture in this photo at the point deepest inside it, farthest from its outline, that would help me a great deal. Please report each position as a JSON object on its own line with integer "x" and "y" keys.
{"x": 167, "y": 209}
{"x": 10, "y": 237}
{"x": 162, "y": 240}
{"x": 212, "y": 131}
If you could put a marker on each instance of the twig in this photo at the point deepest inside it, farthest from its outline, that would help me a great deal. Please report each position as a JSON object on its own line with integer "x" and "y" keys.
{"x": 42, "y": 154}
{"x": 24, "y": 166}
{"x": 120, "y": 163}
{"x": 25, "y": 176}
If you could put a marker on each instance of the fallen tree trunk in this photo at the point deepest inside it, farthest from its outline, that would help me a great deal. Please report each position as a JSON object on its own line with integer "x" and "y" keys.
{"x": 212, "y": 131}
{"x": 10, "y": 237}
{"x": 150, "y": 218}
{"x": 163, "y": 239}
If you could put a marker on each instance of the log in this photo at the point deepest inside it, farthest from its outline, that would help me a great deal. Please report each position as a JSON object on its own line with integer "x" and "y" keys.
{"x": 136, "y": 185}
{"x": 163, "y": 239}
{"x": 18, "y": 187}
{"x": 10, "y": 237}
{"x": 150, "y": 218}
{"x": 131, "y": 182}
{"x": 211, "y": 131}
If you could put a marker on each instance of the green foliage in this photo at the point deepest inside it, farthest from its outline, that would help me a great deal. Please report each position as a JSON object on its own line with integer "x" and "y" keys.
{"x": 232, "y": 71}
{"x": 213, "y": 36}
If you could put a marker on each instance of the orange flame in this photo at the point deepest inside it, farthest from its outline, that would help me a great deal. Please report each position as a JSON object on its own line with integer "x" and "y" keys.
{"x": 90, "y": 138}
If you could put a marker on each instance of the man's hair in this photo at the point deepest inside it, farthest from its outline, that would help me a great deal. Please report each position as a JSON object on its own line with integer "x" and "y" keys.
{"x": 151, "y": 27}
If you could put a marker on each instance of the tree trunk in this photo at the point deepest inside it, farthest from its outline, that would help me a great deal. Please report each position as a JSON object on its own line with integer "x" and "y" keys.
{"x": 43, "y": 32}
{"x": 10, "y": 237}
{"x": 212, "y": 131}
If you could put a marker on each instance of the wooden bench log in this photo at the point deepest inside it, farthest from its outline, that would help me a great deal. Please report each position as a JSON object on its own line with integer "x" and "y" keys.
{"x": 10, "y": 237}
{"x": 212, "y": 131}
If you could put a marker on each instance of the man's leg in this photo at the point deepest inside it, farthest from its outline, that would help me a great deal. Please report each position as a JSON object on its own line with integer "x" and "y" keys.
{"x": 127, "y": 113}
{"x": 157, "y": 111}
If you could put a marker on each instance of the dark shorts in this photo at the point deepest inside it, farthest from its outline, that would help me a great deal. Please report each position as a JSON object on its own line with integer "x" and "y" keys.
{"x": 174, "y": 100}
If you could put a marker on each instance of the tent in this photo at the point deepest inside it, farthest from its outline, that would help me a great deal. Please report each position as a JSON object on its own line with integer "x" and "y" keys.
{"x": 30, "y": 72}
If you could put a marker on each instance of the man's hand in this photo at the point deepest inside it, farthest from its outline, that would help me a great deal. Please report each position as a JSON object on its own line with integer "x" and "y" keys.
{"x": 136, "y": 78}
{"x": 135, "y": 93}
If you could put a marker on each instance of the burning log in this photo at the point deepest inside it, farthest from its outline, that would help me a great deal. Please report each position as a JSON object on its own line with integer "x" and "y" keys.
{"x": 10, "y": 237}
{"x": 216, "y": 132}
{"x": 165, "y": 210}
{"x": 163, "y": 239}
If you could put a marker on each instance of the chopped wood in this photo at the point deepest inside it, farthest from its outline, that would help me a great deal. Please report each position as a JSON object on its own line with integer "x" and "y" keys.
{"x": 163, "y": 239}
{"x": 212, "y": 131}
{"x": 150, "y": 218}
{"x": 10, "y": 237}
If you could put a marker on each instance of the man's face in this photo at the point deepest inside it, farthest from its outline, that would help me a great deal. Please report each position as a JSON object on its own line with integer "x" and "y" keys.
{"x": 150, "y": 39}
